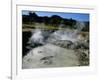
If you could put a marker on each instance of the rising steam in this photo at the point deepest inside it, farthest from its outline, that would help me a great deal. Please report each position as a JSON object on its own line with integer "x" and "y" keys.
{"x": 38, "y": 35}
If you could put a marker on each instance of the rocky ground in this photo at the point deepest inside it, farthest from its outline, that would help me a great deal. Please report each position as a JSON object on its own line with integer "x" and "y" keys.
{"x": 50, "y": 55}
{"x": 65, "y": 48}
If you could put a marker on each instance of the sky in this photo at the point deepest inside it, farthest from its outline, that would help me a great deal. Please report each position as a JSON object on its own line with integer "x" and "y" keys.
{"x": 76, "y": 16}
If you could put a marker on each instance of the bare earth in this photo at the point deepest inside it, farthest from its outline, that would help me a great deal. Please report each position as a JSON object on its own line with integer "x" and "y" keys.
{"x": 50, "y": 55}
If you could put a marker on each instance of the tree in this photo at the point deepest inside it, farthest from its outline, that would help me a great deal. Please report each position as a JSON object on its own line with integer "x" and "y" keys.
{"x": 70, "y": 23}
{"x": 33, "y": 17}
{"x": 55, "y": 20}
{"x": 86, "y": 28}
{"x": 25, "y": 19}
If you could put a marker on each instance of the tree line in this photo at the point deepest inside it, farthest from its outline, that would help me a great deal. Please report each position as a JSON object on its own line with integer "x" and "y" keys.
{"x": 54, "y": 20}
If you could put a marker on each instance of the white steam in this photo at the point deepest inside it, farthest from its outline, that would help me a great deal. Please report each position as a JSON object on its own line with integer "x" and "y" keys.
{"x": 67, "y": 34}
{"x": 38, "y": 35}
{"x": 79, "y": 25}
